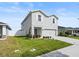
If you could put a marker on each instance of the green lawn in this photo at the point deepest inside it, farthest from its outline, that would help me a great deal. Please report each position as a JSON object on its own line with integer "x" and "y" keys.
{"x": 75, "y": 37}
{"x": 22, "y": 46}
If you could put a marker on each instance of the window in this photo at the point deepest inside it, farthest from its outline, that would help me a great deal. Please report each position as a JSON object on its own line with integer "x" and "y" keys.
{"x": 39, "y": 17}
{"x": 53, "y": 20}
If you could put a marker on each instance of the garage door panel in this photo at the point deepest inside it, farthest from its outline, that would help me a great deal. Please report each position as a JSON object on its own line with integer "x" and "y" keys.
{"x": 48, "y": 32}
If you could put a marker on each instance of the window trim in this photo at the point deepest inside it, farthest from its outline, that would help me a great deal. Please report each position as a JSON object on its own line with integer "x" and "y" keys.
{"x": 53, "y": 20}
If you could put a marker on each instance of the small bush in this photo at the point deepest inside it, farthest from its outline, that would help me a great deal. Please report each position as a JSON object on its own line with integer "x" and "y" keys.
{"x": 36, "y": 36}
{"x": 46, "y": 36}
{"x": 63, "y": 34}
{"x": 74, "y": 35}
{"x": 68, "y": 33}
{"x": 28, "y": 36}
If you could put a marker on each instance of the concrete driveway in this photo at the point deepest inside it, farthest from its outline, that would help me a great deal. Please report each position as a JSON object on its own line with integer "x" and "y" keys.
{"x": 70, "y": 51}
{"x": 68, "y": 40}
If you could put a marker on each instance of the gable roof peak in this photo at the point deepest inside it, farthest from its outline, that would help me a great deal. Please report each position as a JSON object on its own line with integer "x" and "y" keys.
{"x": 33, "y": 11}
{"x": 2, "y": 23}
{"x": 44, "y": 13}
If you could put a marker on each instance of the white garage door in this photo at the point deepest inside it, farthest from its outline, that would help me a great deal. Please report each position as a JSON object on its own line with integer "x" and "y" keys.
{"x": 48, "y": 32}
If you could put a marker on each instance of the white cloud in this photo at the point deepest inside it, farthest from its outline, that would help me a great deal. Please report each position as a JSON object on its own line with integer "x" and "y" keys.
{"x": 12, "y": 9}
{"x": 17, "y": 8}
{"x": 67, "y": 17}
{"x": 30, "y": 6}
{"x": 64, "y": 12}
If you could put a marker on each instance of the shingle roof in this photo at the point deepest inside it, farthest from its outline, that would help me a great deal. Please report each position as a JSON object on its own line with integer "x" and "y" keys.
{"x": 1, "y": 23}
{"x": 45, "y": 14}
{"x": 68, "y": 28}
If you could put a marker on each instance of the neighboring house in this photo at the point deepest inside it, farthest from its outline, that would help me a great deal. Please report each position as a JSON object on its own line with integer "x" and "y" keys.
{"x": 4, "y": 30}
{"x": 38, "y": 23}
{"x": 61, "y": 29}
{"x": 70, "y": 30}
{"x": 73, "y": 31}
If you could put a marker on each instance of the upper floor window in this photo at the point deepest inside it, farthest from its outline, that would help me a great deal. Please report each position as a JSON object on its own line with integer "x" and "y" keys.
{"x": 53, "y": 20}
{"x": 39, "y": 17}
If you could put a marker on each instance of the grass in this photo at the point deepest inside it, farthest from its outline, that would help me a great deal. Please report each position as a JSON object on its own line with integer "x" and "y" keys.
{"x": 75, "y": 37}
{"x": 25, "y": 45}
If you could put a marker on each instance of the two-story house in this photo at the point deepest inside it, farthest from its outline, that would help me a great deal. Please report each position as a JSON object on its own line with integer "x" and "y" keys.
{"x": 38, "y": 23}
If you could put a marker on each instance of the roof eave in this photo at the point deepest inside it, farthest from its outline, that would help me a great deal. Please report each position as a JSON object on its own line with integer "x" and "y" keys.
{"x": 9, "y": 27}
{"x": 38, "y": 11}
{"x": 26, "y": 17}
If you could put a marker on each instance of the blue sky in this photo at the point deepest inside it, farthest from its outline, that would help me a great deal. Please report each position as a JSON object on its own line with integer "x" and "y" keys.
{"x": 13, "y": 13}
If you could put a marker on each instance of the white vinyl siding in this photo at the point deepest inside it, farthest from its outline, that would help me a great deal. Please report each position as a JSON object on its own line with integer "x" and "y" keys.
{"x": 39, "y": 20}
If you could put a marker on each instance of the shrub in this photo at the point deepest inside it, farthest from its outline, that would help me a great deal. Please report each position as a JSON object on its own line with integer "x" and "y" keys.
{"x": 28, "y": 36}
{"x": 67, "y": 33}
{"x": 46, "y": 36}
{"x": 63, "y": 34}
{"x": 36, "y": 36}
{"x": 74, "y": 35}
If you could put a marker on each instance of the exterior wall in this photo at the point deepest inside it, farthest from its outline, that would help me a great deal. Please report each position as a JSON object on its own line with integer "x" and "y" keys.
{"x": 26, "y": 26}
{"x": 7, "y": 32}
{"x": 4, "y": 31}
{"x": 45, "y": 23}
{"x": 48, "y": 28}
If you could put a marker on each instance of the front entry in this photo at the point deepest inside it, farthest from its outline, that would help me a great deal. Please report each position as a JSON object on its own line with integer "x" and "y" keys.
{"x": 37, "y": 31}
{"x": 0, "y": 31}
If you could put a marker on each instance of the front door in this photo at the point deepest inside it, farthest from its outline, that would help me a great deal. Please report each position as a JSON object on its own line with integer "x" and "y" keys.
{"x": 35, "y": 31}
